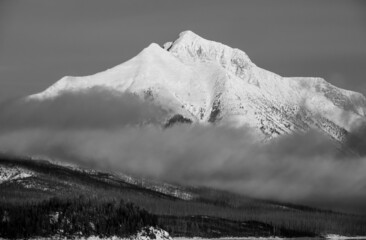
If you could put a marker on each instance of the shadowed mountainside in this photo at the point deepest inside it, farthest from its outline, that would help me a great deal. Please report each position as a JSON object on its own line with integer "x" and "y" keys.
{"x": 183, "y": 211}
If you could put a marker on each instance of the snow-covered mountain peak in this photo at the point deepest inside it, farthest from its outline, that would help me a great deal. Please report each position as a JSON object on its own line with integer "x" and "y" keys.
{"x": 153, "y": 48}
{"x": 190, "y": 47}
{"x": 203, "y": 81}
{"x": 187, "y": 35}
{"x": 188, "y": 38}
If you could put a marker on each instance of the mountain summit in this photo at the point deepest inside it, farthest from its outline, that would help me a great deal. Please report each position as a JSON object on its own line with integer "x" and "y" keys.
{"x": 204, "y": 81}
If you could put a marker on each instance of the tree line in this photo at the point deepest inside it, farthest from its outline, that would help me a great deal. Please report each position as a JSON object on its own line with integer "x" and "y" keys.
{"x": 73, "y": 217}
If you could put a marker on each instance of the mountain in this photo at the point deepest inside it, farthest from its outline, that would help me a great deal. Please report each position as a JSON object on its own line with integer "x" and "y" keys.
{"x": 202, "y": 81}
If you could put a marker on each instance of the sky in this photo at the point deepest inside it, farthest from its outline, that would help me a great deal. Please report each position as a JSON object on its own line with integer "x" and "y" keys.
{"x": 42, "y": 41}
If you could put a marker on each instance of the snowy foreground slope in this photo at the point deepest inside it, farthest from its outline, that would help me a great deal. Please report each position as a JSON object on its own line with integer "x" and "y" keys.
{"x": 206, "y": 81}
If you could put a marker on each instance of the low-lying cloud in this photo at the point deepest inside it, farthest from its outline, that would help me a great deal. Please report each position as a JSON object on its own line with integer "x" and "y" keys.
{"x": 305, "y": 168}
{"x": 97, "y": 108}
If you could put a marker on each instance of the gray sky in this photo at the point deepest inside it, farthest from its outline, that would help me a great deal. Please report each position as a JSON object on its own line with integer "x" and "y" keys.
{"x": 42, "y": 40}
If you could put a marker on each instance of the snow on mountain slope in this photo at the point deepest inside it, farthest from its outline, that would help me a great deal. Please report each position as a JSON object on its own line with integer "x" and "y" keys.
{"x": 208, "y": 82}
{"x": 13, "y": 173}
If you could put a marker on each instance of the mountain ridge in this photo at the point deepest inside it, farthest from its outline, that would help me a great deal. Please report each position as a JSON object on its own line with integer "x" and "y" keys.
{"x": 208, "y": 82}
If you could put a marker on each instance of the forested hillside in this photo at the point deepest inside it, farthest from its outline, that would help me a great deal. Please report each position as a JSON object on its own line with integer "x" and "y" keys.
{"x": 34, "y": 192}
{"x": 73, "y": 217}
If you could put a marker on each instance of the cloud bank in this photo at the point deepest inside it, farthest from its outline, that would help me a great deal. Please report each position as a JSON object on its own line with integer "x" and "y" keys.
{"x": 123, "y": 133}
